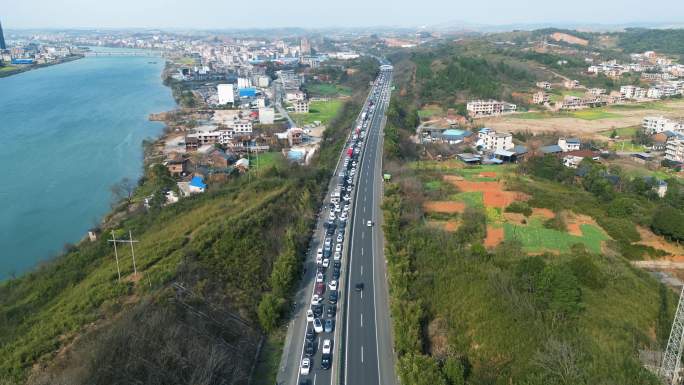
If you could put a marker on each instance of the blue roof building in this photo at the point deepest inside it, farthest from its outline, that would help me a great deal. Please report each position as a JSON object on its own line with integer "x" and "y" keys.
{"x": 197, "y": 184}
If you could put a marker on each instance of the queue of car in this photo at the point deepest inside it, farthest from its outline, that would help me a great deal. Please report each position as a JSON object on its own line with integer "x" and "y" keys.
{"x": 322, "y": 312}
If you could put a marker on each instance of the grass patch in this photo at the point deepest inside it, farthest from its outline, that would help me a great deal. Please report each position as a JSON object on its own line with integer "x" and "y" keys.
{"x": 535, "y": 238}
{"x": 623, "y": 132}
{"x": 8, "y": 68}
{"x": 534, "y": 115}
{"x": 318, "y": 111}
{"x": 472, "y": 199}
{"x": 594, "y": 114}
{"x": 428, "y": 112}
{"x": 266, "y": 160}
{"x": 433, "y": 185}
{"x": 328, "y": 90}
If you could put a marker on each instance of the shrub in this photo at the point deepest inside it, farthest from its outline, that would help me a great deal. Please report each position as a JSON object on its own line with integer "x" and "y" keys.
{"x": 520, "y": 208}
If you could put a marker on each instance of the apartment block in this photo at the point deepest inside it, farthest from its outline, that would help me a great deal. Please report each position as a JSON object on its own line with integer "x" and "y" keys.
{"x": 477, "y": 108}
{"x": 674, "y": 149}
{"x": 491, "y": 140}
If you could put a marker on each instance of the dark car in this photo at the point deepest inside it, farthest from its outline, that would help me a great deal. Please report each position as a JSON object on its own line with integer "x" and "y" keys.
{"x": 320, "y": 288}
{"x": 329, "y": 326}
{"x": 317, "y": 310}
{"x": 337, "y": 264}
{"x": 331, "y": 310}
{"x": 359, "y": 286}
{"x": 336, "y": 273}
{"x": 309, "y": 348}
{"x": 310, "y": 335}
{"x": 326, "y": 359}
{"x": 333, "y": 297}
{"x": 304, "y": 382}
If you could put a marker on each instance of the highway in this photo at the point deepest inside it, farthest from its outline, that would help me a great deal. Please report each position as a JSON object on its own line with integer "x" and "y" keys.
{"x": 361, "y": 341}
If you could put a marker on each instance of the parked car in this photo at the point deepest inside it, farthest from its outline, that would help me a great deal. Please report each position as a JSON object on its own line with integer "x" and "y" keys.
{"x": 343, "y": 216}
{"x": 318, "y": 325}
{"x": 337, "y": 256}
{"x": 329, "y": 325}
{"x": 369, "y": 223}
{"x": 316, "y": 299}
{"x": 336, "y": 273}
{"x": 332, "y": 285}
{"x": 327, "y": 346}
{"x": 319, "y": 252}
{"x": 337, "y": 264}
{"x": 319, "y": 259}
{"x": 305, "y": 366}
{"x": 309, "y": 315}
{"x": 328, "y": 242}
{"x": 338, "y": 247}
{"x": 319, "y": 277}
{"x": 317, "y": 310}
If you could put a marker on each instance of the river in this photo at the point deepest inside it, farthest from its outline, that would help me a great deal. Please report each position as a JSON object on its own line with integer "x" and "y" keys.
{"x": 70, "y": 131}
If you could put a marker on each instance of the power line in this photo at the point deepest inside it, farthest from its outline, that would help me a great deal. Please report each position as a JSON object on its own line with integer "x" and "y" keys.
{"x": 130, "y": 241}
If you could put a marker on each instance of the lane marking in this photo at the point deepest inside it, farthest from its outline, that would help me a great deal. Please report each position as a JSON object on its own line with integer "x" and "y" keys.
{"x": 361, "y": 319}
{"x": 361, "y": 269}
{"x": 361, "y": 353}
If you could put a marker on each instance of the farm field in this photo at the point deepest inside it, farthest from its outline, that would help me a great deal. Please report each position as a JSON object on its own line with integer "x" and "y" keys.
{"x": 535, "y": 238}
{"x": 319, "y": 111}
{"x": 328, "y": 90}
{"x": 589, "y": 123}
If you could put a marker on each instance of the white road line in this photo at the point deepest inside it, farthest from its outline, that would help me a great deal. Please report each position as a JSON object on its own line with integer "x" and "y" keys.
{"x": 361, "y": 319}
{"x": 314, "y": 379}
{"x": 362, "y": 353}
{"x": 361, "y": 293}
{"x": 363, "y": 235}
{"x": 361, "y": 269}
{"x": 362, "y": 251}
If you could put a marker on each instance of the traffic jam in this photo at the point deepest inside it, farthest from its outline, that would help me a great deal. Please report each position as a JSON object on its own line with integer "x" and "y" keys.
{"x": 321, "y": 315}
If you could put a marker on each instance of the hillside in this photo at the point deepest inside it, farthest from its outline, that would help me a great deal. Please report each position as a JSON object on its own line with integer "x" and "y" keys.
{"x": 517, "y": 274}
{"x": 215, "y": 276}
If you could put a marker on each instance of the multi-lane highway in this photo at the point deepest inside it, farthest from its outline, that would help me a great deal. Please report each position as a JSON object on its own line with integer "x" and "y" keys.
{"x": 361, "y": 351}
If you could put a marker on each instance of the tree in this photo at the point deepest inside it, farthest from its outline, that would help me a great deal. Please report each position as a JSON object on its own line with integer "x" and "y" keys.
{"x": 560, "y": 292}
{"x": 419, "y": 369}
{"x": 269, "y": 311}
{"x": 123, "y": 190}
{"x": 669, "y": 222}
{"x": 454, "y": 371}
{"x": 663, "y": 321}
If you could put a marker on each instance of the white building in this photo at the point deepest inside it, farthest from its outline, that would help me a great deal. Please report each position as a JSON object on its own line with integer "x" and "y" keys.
{"x": 540, "y": 97}
{"x": 244, "y": 83}
{"x": 478, "y": 108}
{"x": 301, "y": 106}
{"x": 263, "y": 81}
{"x": 657, "y": 124}
{"x": 674, "y": 149}
{"x": 572, "y": 161}
{"x": 491, "y": 140}
{"x": 226, "y": 94}
{"x": 294, "y": 95}
{"x": 569, "y": 144}
{"x": 266, "y": 115}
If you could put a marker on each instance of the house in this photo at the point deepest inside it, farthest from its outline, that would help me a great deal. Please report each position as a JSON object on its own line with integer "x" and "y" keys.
{"x": 242, "y": 164}
{"x": 266, "y": 115}
{"x": 544, "y": 85}
{"x": 470, "y": 158}
{"x": 657, "y": 124}
{"x": 569, "y": 144}
{"x": 295, "y": 136}
{"x": 490, "y": 140}
{"x": 571, "y": 84}
{"x": 478, "y": 108}
{"x": 191, "y": 144}
{"x": 674, "y": 149}
{"x": 171, "y": 197}
{"x": 455, "y": 136}
{"x": 177, "y": 167}
{"x": 197, "y": 185}
{"x": 552, "y": 149}
{"x": 221, "y": 159}
{"x": 301, "y": 106}
{"x": 292, "y": 95}
{"x": 520, "y": 152}
{"x": 540, "y": 97}
{"x": 572, "y": 161}
{"x": 642, "y": 157}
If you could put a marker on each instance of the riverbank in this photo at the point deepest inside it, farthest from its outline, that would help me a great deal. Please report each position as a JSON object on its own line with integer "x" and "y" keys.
{"x": 10, "y": 70}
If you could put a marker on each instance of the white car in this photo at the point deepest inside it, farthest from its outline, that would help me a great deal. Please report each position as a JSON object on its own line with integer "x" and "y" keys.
{"x": 344, "y": 216}
{"x": 337, "y": 256}
{"x": 346, "y": 198}
{"x": 319, "y": 276}
{"x": 332, "y": 285}
{"x": 332, "y": 216}
{"x": 318, "y": 325}
{"x": 340, "y": 238}
{"x": 346, "y": 208}
{"x": 326, "y": 262}
{"x": 319, "y": 252}
{"x": 315, "y": 300}
{"x": 319, "y": 259}
{"x": 327, "y": 345}
{"x": 305, "y": 366}
{"x": 338, "y": 208}
{"x": 309, "y": 315}
{"x": 338, "y": 247}
{"x": 369, "y": 223}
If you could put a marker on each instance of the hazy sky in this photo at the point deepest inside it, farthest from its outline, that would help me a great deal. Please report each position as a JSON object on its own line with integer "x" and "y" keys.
{"x": 326, "y": 13}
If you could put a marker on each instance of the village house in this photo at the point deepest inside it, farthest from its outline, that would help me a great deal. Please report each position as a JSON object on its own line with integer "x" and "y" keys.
{"x": 478, "y": 108}
{"x": 571, "y": 84}
{"x": 544, "y": 85}
{"x": 301, "y": 106}
{"x": 674, "y": 149}
{"x": 490, "y": 140}
{"x": 569, "y": 144}
{"x": 540, "y": 97}
{"x": 657, "y": 124}
{"x": 177, "y": 166}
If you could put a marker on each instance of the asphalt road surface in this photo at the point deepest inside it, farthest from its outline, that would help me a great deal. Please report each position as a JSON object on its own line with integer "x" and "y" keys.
{"x": 362, "y": 346}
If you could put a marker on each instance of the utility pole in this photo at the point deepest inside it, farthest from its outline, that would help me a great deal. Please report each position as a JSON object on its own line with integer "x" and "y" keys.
{"x": 116, "y": 255}
{"x": 130, "y": 241}
{"x": 672, "y": 357}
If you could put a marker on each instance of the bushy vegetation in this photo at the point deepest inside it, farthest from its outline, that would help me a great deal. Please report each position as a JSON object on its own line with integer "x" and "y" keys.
{"x": 635, "y": 40}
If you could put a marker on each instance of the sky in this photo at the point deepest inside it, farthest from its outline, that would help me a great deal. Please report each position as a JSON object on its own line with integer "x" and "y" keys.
{"x": 228, "y": 14}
